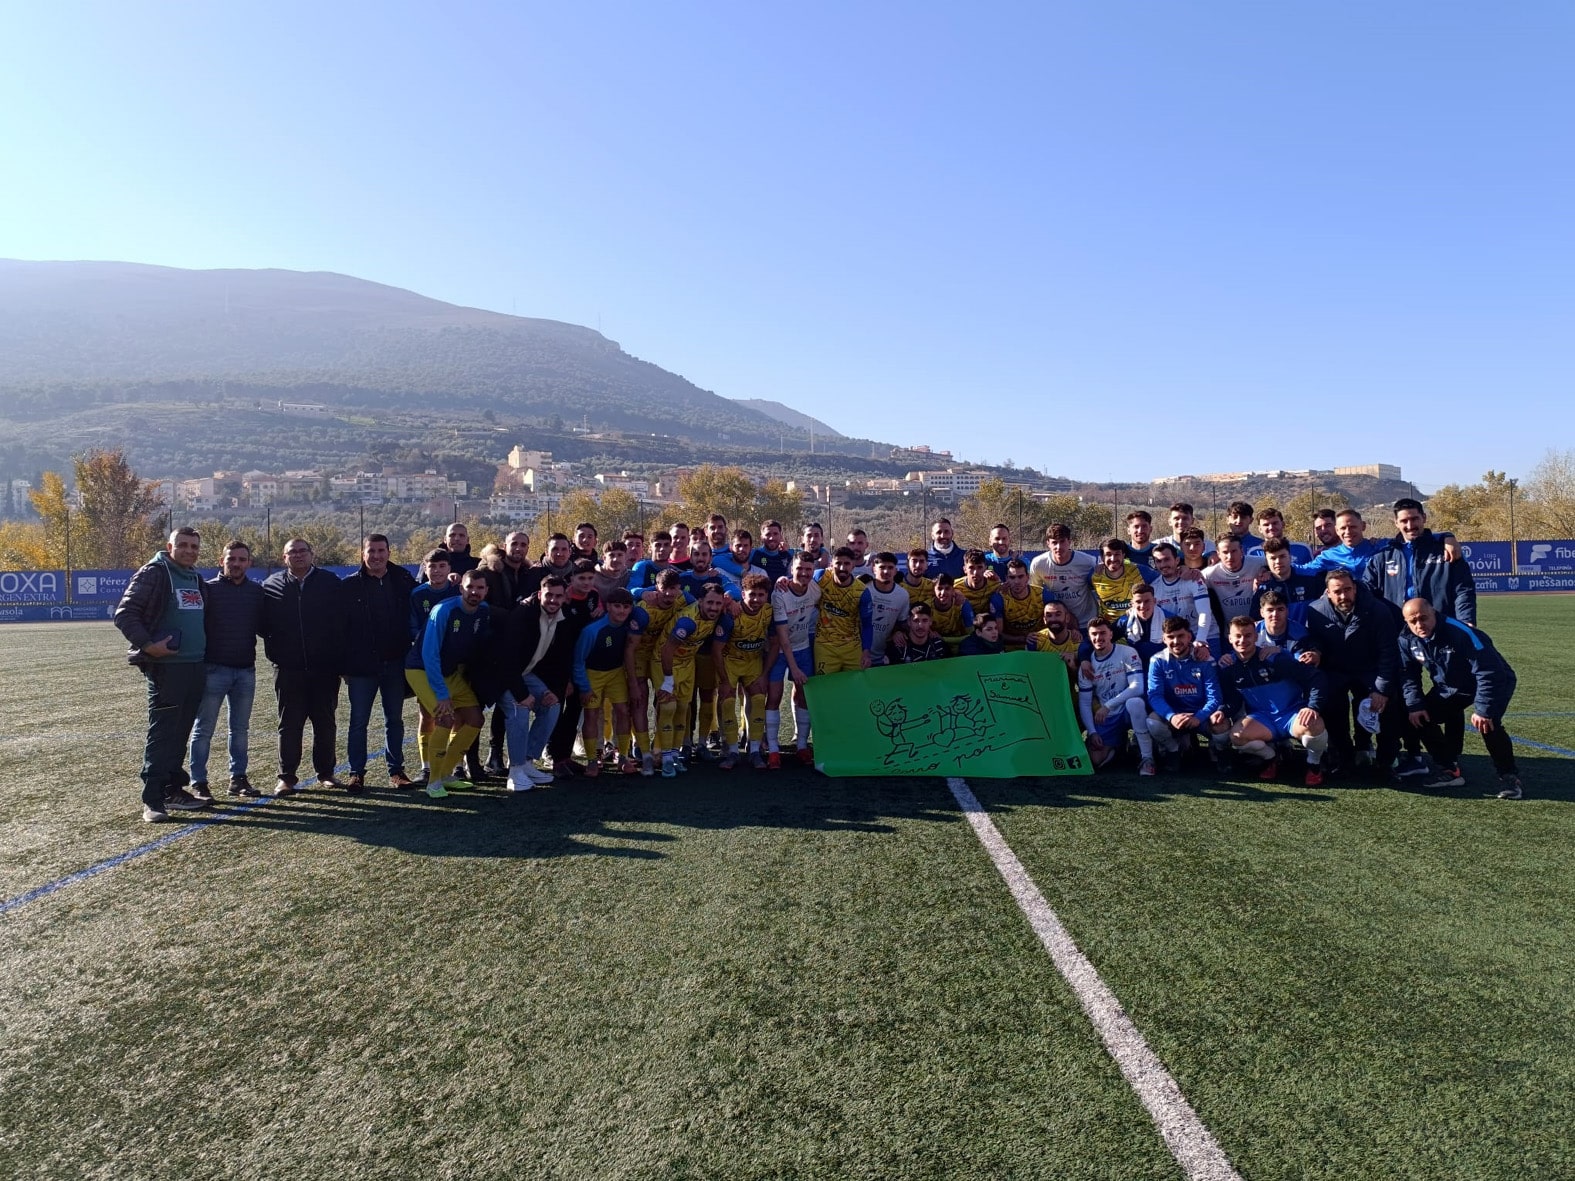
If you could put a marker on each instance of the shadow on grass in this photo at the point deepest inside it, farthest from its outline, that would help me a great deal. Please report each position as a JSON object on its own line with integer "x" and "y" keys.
{"x": 610, "y": 817}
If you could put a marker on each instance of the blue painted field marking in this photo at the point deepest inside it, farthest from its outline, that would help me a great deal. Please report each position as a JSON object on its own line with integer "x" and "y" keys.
{"x": 1558, "y": 750}
{"x": 185, "y": 830}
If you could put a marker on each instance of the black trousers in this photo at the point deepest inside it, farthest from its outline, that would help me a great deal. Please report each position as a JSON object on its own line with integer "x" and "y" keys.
{"x": 1444, "y": 734}
{"x": 561, "y": 744}
{"x": 1342, "y": 699}
{"x": 174, "y": 696}
{"x": 306, "y": 696}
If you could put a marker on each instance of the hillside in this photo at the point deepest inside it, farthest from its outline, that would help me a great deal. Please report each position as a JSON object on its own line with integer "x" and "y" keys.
{"x": 79, "y": 336}
{"x": 792, "y": 418}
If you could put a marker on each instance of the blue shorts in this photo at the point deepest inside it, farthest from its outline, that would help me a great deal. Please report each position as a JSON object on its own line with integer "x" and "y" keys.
{"x": 1115, "y": 726}
{"x": 1276, "y": 723}
{"x": 803, "y": 657}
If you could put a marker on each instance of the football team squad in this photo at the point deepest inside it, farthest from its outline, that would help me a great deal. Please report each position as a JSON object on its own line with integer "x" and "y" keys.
{"x": 1352, "y": 656}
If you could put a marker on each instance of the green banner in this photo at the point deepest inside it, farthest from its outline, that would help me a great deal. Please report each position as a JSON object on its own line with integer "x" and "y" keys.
{"x": 992, "y": 717}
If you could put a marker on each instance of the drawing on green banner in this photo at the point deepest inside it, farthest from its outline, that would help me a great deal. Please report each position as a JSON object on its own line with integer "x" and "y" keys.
{"x": 1006, "y": 712}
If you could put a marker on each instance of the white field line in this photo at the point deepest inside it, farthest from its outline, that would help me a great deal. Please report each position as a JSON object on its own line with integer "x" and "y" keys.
{"x": 1193, "y": 1145}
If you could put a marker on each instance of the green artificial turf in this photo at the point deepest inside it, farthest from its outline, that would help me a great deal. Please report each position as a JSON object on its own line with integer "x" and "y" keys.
{"x": 754, "y": 975}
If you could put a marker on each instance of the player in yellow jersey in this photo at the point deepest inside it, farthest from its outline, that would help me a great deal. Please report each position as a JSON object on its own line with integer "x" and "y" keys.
{"x": 742, "y": 648}
{"x": 654, "y": 612}
{"x": 837, "y": 646}
{"x": 951, "y": 616}
{"x": 1058, "y": 636}
{"x": 920, "y": 589}
{"x": 690, "y": 630}
{"x": 1020, "y": 606}
{"x": 1114, "y": 580}
{"x": 978, "y": 584}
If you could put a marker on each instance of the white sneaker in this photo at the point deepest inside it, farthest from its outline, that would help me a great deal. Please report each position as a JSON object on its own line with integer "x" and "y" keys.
{"x": 518, "y": 780}
{"x": 535, "y": 774}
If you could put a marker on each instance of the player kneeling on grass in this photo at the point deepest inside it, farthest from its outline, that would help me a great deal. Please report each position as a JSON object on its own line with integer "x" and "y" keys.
{"x": 1183, "y": 693}
{"x": 1110, "y": 694}
{"x": 741, "y": 662}
{"x": 1276, "y": 697}
{"x": 435, "y": 670}
{"x": 1468, "y": 673}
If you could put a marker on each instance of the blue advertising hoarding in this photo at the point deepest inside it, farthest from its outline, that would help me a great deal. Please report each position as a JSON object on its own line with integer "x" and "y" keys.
{"x": 32, "y": 586}
{"x": 1486, "y": 557}
{"x": 1546, "y": 557}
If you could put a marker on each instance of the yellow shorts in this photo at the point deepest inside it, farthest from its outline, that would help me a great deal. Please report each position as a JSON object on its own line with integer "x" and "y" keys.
{"x": 459, "y": 690}
{"x": 609, "y": 687}
{"x": 746, "y": 668}
{"x": 838, "y": 658}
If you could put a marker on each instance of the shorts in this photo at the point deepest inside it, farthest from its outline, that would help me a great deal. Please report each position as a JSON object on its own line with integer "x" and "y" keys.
{"x": 837, "y": 658}
{"x": 1277, "y": 724}
{"x": 1115, "y": 726}
{"x": 745, "y": 668}
{"x": 459, "y": 691}
{"x": 608, "y": 687}
{"x": 803, "y": 657}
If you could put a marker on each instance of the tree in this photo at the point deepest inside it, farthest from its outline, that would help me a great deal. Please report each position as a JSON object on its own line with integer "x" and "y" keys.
{"x": 1550, "y": 497}
{"x": 711, "y": 488}
{"x": 1472, "y": 512}
{"x": 23, "y": 546}
{"x": 1027, "y": 516}
{"x": 48, "y": 497}
{"x": 120, "y": 513}
{"x": 612, "y": 511}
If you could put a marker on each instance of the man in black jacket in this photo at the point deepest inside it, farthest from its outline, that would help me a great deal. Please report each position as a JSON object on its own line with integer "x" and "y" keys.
{"x": 538, "y": 662}
{"x": 303, "y": 635}
{"x": 1354, "y": 632}
{"x": 233, "y": 621}
{"x": 505, "y": 574}
{"x": 161, "y": 616}
{"x": 456, "y": 539}
{"x": 377, "y": 639}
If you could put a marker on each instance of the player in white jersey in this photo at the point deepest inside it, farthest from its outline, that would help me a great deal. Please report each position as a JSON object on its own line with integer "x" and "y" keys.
{"x": 883, "y": 606}
{"x": 1231, "y": 580}
{"x": 795, "y": 608}
{"x": 1111, "y": 694}
{"x": 1066, "y": 572}
{"x": 1179, "y": 596}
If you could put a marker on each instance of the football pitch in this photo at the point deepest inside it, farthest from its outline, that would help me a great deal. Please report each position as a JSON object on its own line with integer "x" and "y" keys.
{"x": 779, "y": 975}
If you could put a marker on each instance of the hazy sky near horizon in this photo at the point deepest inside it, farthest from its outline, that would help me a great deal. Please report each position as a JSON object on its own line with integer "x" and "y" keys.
{"x": 1105, "y": 240}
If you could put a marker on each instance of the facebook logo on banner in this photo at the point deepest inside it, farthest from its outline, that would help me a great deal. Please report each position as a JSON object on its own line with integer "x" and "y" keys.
{"x": 1486, "y": 557}
{"x": 1546, "y": 557}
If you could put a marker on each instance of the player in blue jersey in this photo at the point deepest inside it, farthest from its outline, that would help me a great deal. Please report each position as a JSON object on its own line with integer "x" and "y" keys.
{"x": 1280, "y": 575}
{"x": 1140, "y": 537}
{"x": 773, "y": 554}
{"x": 642, "y": 574}
{"x": 1273, "y": 697}
{"x": 1352, "y": 553}
{"x": 1142, "y": 627}
{"x": 1184, "y": 697}
{"x": 1000, "y": 551}
{"x": 1278, "y": 630}
{"x": 435, "y": 670}
{"x": 603, "y": 681}
{"x": 1271, "y": 523}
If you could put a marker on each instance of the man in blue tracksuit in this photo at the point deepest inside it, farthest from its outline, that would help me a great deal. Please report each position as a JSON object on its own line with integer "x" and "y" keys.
{"x": 1354, "y": 631}
{"x": 1273, "y": 697}
{"x": 1468, "y": 673}
{"x": 1415, "y": 565}
{"x": 1183, "y": 694}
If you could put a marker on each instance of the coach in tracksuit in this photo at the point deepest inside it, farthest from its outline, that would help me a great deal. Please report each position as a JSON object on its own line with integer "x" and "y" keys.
{"x": 1415, "y": 566}
{"x": 1354, "y": 631}
{"x": 1468, "y": 674}
{"x": 304, "y": 631}
{"x": 377, "y": 639}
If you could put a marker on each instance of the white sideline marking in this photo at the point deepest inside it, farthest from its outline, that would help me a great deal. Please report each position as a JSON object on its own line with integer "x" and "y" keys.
{"x": 1193, "y": 1145}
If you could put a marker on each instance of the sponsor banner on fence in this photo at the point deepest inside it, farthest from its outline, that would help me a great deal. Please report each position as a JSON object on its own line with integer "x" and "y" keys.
{"x": 99, "y": 586}
{"x": 1545, "y": 557}
{"x": 32, "y": 586}
{"x": 54, "y": 613}
{"x": 993, "y": 717}
{"x": 1486, "y": 557}
{"x": 1510, "y": 583}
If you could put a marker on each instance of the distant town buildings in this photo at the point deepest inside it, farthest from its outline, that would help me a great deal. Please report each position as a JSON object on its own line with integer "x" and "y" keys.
{"x": 1378, "y": 471}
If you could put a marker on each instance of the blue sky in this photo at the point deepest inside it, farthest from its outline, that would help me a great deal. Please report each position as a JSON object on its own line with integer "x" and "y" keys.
{"x": 1107, "y": 240}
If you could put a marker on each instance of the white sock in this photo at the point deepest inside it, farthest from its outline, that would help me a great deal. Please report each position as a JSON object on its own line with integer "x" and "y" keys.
{"x": 773, "y": 730}
{"x": 1315, "y": 744}
{"x": 801, "y": 726}
{"x": 1139, "y": 718}
{"x": 1256, "y": 747}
